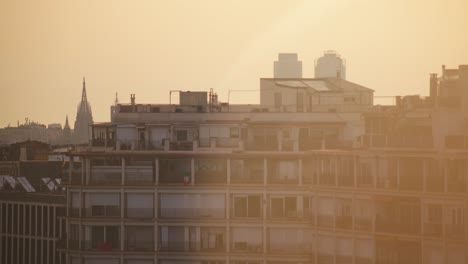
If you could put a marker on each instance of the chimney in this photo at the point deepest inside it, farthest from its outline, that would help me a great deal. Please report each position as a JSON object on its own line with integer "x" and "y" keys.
{"x": 132, "y": 99}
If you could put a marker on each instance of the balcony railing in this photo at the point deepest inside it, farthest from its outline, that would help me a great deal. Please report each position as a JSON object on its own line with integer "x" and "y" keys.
{"x": 190, "y": 246}
{"x": 106, "y": 175}
{"x": 344, "y": 221}
{"x": 191, "y": 213}
{"x": 102, "y": 142}
{"x": 139, "y": 174}
{"x": 290, "y": 247}
{"x": 386, "y": 224}
{"x": 262, "y": 145}
{"x": 219, "y": 142}
{"x": 362, "y": 260}
{"x": 396, "y": 141}
{"x": 139, "y": 213}
{"x": 143, "y": 245}
{"x": 102, "y": 211}
{"x": 100, "y": 245}
{"x": 248, "y": 247}
{"x": 362, "y": 223}
{"x": 208, "y": 177}
{"x": 248, "y": 178}
{"x": 181, "y": 145}
{"x": 325, "y": 220}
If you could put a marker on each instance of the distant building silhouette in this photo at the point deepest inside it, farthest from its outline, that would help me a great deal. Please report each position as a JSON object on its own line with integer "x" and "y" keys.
{"x": 84, "y": 118}
{"x": 330, "y": 65}
{"x": 287, "y": 66}
{"x": 66, "y": 136}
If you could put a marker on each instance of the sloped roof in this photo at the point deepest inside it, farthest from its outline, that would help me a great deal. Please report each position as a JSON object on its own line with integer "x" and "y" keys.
{"x": 321, "y": 84}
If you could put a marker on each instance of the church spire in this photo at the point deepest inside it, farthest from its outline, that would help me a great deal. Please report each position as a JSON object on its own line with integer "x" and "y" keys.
{"x": 66, "y": 123}
{"x": 83, "y": 93}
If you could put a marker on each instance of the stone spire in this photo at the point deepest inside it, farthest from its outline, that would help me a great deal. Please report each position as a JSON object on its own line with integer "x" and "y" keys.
{"x": 84, "y": 118}
{"x": 66, "y": 126}
{"x": 83, "y": 93}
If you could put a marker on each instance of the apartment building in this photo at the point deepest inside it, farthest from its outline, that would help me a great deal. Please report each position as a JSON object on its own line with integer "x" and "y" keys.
{"x": 32, "y": 207}
{"x": 337, "y": 180}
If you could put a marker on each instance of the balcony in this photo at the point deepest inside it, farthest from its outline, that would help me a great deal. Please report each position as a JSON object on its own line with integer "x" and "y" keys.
{"x": 246, "y": 247}
{"x": 102, "y": 142}
{"x": 139, "y": 212}
{"x": 362, "y": 260}
{"x": 106, "y": 175}
{"x": 139, "y": 175}
{"x": 327, "y": 179}
{"x": 191, "y": 246}
{"x": 290, "y": 247}
{"x": 263, "y": 145}
{"x": 210, "y": 171}
{"x": 247, "y": 171}
{"x": 139, "y": 245}
{"x": 397, "y": 141}
{"x": 455, "y": 231}
{"x": 433, "y": 229}
{"x": 94, "y": 245}
{"x": 181, "y": 145}
{"x": 343, "y": 259}
{"x": 388, "y": 225}
{"x": 363, "y": 223}
{"x": 219, "y": 142}
{"x": 325, "y": 220}
{"x": 344, "y": 221}
{"x": 434, "y": 183}
{"x": 102, "y": 211}
{"x": 176, "y": 171}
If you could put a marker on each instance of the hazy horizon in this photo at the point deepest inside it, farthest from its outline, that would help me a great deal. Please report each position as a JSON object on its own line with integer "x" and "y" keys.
{"x": 150, "y": 47}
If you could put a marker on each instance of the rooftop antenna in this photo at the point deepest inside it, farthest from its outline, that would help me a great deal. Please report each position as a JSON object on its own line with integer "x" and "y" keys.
{"x": 116, "y": 98}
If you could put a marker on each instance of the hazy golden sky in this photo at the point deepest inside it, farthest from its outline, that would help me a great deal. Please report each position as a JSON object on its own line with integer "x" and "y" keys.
{"x": 151, "y": 47}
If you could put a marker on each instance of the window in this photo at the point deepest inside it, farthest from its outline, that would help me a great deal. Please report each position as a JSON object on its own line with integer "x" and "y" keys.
{"x": 139, "y": 205}
{"x": 247, "y": 206}
{"x": 277, "y": 100}
{"x": 349, "y": 99}
{"x": 234, "y": 132}
{"x": 283, "y": 207}
{"x": 365, "y": 174}
{"x": 105, "y": 238}
{"x": 140, "y": 238}
{"x": 181, "y": 135}
{"x": 434, "y": 213}
{"x": 300, "y": 102}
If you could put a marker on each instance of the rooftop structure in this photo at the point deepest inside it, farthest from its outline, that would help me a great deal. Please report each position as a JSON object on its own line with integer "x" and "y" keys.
{"x": 287, "y": 66}
{"x": 330, "y": 65}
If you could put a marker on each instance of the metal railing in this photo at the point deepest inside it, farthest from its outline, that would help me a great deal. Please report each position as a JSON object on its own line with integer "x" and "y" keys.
{"x": 139, "y": 213}
{"x": 191, "y": 246}
{"x": 291, "y": 247}
{"x": 139, "y": 245}
{"x": 102, "y": 211}
{"x": 192, "y": 213}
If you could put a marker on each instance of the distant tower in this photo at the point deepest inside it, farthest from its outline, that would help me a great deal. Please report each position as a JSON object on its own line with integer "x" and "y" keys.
{"x": 66, "y": 132}
{"x": 330, "y": 65}
{"x": 287, "y": 66}
{"x": 84, "y": 118}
